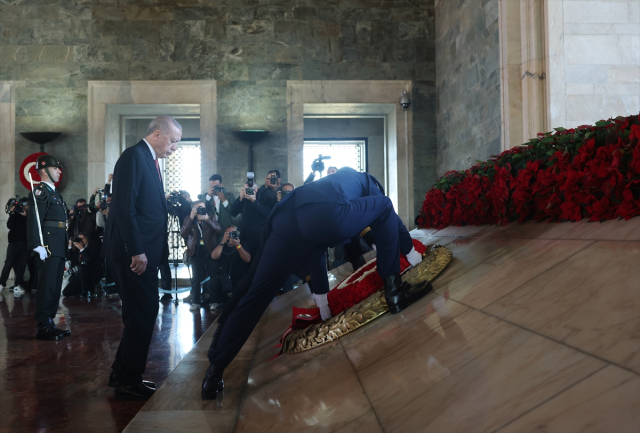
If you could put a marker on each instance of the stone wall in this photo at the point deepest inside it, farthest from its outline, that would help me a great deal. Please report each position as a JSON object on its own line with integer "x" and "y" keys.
{"x": 593, "y": 60}
{"x": 250, "y": 47}
{"x": 467, "y": 82}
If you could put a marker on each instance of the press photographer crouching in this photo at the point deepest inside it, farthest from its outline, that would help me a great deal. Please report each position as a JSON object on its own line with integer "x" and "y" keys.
{"x": 81, "y": 219}
{"x": 17, "y": 250}
{"x": 200, "y": 231}
{"x": 232, "y": 262}
{"x": 86, "y": 265}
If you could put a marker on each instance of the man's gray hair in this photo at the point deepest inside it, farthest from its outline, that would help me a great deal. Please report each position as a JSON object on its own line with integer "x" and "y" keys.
{"x": 163, "y": 123}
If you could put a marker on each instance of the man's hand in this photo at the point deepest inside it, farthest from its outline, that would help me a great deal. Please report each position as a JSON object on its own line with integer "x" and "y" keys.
{"x": 193, "y": 214}
{"x": 279, "y": 195}
{"x": 139, "y": 263}
{"x": 234, "y": 242}
{"x": 23, "y": 212}
{"x": 211, "y": 193}
{"x": 78, "y": 245}
{"x": 109, "y": 178}
{"x": 251, "y": 197}
{"x": 221, "y": 197}
{"x": 243, "y": 193}
{"x": 95, "y": 191}
{"x": 203, "y": 217}
{"x": 225, "y": 238}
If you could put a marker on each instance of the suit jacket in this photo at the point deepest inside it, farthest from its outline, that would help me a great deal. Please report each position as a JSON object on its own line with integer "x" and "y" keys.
{"x": 210, "y": 230}
{"x": 344, "y": 185}
{"x": 137, "y": 220}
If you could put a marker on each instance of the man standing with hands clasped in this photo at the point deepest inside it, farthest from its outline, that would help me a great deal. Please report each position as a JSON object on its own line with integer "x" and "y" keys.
{"x": 134, "y": 242}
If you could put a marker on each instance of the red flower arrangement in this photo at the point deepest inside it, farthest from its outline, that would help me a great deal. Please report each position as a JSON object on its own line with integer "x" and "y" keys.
{"x": 587, "y": 172}
{"x": 363, "y": 283}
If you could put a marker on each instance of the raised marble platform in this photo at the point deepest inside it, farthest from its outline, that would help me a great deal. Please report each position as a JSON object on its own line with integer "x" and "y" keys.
{"x": 532, "y": 327}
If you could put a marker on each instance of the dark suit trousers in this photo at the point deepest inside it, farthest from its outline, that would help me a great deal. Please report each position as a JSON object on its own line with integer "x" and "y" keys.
{"x": 139, "y": 296}
{"x": 298, "y": 240}
{"x": 17, "y": 256}
{"x": 49, "y": 287}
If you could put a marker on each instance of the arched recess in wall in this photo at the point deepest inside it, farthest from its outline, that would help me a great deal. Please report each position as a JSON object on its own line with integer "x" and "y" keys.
{"x": 353, "y": 99}
{"x": 524, "y": 77}
{"x": 110, "y": 100}
{"x": 7, "y": 150}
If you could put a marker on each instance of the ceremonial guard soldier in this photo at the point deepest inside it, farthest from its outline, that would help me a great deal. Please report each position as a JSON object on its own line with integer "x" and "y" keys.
{"x": 48, "y": 237}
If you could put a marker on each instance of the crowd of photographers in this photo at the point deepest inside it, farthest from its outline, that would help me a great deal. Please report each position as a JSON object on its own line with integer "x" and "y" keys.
{"x": 218, "y": 233}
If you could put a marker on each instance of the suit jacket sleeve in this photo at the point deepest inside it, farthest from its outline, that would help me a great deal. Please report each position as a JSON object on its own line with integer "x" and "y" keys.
{"x": 126, "y": 189}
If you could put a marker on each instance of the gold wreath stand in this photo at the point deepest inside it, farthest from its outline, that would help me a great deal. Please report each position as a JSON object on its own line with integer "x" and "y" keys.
{"x": 435, "y": 260}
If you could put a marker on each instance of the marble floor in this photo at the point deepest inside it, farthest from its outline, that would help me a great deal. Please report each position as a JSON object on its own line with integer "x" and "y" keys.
{"x": 62, "y": 386}
{"x": 532, "y": 327}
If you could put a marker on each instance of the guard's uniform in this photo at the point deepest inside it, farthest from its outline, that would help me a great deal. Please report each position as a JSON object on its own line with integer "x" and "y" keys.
{"x": 52, "y": 211}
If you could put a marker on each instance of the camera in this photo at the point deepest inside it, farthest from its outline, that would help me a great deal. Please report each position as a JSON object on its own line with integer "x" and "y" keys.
{"x": 76, "y": 239}
{"x": 250, "y": 177}
{"x": 201, "y": 210}
{"x": 17, "y": 202}
{"x": 100, "y": 192}
{"x": 250, "y": 191}
{"x": 82, "y": 209}
{"x": 103, "y": 205}
{"x": 174, "y": 203}
{"x": 217, "y": 189}
{"x": 284, "y": 193}
{"x": 273, "y": 179}
{"x": 317, "y": 164}
{"x": 235, "y": 235}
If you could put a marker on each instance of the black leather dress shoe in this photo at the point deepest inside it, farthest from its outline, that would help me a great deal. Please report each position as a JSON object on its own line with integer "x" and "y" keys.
{"x": 63, "y": 332}
{"x": 166, "y": 297}
{"x": 113, "y": 381}
{"x": 358, "y": 263}
{"x": 47, "y": 332}
{"x": 212, "y": 385}
{"x": 400, "y": 295}
{"x": 138, "y": 392}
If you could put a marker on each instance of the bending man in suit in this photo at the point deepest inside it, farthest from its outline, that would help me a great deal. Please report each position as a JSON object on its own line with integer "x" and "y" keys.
{"x": 135, "y": 241}
{"x": 318, "y": 215}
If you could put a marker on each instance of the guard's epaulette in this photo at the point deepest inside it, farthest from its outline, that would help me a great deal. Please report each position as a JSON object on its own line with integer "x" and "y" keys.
{"x": 41, "y": 193}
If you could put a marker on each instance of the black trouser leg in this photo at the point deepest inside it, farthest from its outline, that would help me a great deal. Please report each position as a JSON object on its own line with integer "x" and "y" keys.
{"x": 49, "y": 287}
{"x": 74, "y": 287}
{"x": 21, "y": 263}
{"x": 13, "y": 253}
{"x": 139, "y": 311}
{"x": 199, "y": 274}
{"x": 165, "y": 276}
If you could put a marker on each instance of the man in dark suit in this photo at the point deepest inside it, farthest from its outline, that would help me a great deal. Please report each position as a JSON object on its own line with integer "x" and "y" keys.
{"x": 318, "y": 215}
{"x": 134, "y": 243}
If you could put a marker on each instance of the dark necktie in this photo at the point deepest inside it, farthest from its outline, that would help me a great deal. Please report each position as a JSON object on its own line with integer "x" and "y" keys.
{"x": 158, "y": 167}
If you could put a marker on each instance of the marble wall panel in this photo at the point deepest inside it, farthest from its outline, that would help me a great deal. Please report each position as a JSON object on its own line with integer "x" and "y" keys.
{"x": 246, "y": 46}
{"x": 600, "y": 56}
{"x": 467, "y": 82}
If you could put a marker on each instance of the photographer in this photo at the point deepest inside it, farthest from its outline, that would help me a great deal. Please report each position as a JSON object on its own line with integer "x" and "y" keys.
{"x": 103, "y": 212}
{"x": 99, "y": 195}
{"x": 267, "y": 192}
{"x": 254, "y": 213}
{"x": 80, "y": 219}
{"x": 86, "y": 256}
{"x": 284, "y": 190}
{"x": 17, "y": 251}
{"x": 231, "y": 264}
{"x": 218, "y": 202}
{"x": 200, "y": 232}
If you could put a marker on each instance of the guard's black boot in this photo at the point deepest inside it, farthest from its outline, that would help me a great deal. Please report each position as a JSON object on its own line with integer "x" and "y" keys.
{"x": 213, "y": 385}
{"x": 47, "y": 332}
{"x": 113, "y": 381}
{"x": 400, "y": 295}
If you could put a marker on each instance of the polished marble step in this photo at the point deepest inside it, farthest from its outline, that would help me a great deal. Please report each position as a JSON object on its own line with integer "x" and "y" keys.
{"x": 532, "y": 327}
